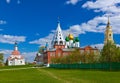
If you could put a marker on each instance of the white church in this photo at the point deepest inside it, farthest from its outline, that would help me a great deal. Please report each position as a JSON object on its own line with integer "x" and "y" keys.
{"x": 15, "y": 58}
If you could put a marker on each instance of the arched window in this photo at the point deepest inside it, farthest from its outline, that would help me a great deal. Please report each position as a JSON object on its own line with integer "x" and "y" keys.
{"x": 61, "y": 42}
{"x": 56, "y": 42}
{"x": 109, "y": 34}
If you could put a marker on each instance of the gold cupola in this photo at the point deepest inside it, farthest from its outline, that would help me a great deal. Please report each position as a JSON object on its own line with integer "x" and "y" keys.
{"x": 71, "y": 37}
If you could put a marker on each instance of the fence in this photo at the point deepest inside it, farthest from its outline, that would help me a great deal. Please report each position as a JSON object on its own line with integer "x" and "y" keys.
{"x": 102, "y": 66}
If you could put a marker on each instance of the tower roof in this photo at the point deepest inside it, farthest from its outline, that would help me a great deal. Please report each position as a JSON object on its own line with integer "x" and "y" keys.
{"x": 108, "y": 23}
{"x": 67, "y": 39}
{"x": 58, "y": 36}
{"x": 71, "y": 37}
{"x": 15, "y": 52}
{"x": 77, "y": 39}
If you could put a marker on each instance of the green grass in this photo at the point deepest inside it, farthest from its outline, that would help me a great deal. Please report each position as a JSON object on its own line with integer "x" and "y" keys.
{"x": 47, "y": 75}
{"x": 19, "y": 66}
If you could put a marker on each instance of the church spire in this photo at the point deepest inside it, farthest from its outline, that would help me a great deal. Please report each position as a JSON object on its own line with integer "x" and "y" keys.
{"x": 58, "y": 20}
{"x": 16, "y": 47}
{"x": 108, "y": 33}
{"x": 108, "y": 24}
{"x": 58, "y": 38}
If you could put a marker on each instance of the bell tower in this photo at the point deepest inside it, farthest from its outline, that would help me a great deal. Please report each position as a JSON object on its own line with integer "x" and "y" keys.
{"x": 58, "y": 38}
{"x": 108, "y": 33}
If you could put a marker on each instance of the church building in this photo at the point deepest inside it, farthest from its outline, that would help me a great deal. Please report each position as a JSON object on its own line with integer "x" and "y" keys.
{"x": 61, "y": 46}
{"x": 15, "y": 58}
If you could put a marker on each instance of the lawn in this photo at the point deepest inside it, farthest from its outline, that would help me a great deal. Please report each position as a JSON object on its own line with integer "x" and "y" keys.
{"x": 47, "y": 75}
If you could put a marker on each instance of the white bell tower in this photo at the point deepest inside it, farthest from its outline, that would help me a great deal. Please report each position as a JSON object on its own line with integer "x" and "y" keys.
{"x": 58, "y": 38}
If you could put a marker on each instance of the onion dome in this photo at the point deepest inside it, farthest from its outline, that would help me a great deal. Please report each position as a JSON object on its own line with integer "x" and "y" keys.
{"x": 71, "y": 37}
{"x": 67, "y": 39}
{"x": 77, "y": 39}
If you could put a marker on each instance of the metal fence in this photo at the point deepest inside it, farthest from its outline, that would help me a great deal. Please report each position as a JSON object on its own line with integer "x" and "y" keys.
{"x": 102, "y": 66}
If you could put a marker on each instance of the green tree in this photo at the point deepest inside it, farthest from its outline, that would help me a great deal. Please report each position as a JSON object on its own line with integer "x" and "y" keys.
{"x": 110, "y": 53}
{"x": 1, "y": 59}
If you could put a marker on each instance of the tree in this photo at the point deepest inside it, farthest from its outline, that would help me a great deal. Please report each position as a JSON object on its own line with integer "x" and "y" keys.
{"x": 110, "y": 53}
{"x": 74, "y": 57}
{"x": 1, "y": 59}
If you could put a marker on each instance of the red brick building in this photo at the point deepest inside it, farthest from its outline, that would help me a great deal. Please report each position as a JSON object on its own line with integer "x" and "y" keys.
{"x": 63, "y": 47}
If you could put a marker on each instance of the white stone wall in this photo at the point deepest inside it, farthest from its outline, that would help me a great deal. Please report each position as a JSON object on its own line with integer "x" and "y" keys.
{"x": 15, "y": 61}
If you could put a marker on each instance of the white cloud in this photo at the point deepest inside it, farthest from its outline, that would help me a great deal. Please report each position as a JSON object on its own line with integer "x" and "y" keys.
{"x": 42, "y": 41}
{"x": 109, "y": 6}
{"x": 98, "y": 23}
{"x": 8, "y": 1}
{"x": 4, "y": 51}
{"x": 2, "y": 22}
{"x": 73, "y": 2}
{"x": 99, "y": 46}
{"x": 11, "y": 39}
{"x": 18, "y": 2}
{"x": 29, "y": 56}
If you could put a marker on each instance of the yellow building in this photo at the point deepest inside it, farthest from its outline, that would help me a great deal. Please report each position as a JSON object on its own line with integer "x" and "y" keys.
{"x": 108, "y": 33}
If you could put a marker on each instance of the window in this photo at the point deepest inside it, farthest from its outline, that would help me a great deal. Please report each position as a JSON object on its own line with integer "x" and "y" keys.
{"x": 20, "y": 61}
{"x": 56, "y": 42}
{"x": 109, "y": 34}
{"x": 61, "y": 42}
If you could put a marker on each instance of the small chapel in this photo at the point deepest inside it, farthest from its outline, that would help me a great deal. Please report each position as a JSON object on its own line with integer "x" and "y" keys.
{"x": 15, "y": 58}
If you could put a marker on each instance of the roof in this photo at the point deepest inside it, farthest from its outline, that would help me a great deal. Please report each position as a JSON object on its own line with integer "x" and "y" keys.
{"x": 15, "y": 52}
{"x": 88, "y": 48}
{"x": 10, "y": 58}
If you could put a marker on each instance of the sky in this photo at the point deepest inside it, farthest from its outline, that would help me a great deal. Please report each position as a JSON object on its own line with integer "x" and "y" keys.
{"x": 32, "y": 23}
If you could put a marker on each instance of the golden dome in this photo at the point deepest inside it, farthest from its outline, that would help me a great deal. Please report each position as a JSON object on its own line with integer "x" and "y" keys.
{"x": 71, "y": 37}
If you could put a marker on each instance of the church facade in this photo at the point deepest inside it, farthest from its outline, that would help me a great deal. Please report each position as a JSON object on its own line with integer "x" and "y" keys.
{"x": 61, "y": 46}
{"x": 15, "y": 58}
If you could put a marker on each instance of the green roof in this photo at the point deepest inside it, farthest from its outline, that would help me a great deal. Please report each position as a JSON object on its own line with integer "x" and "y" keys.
{"x": 67, "y": 39}
{"x": 77, "y": 39}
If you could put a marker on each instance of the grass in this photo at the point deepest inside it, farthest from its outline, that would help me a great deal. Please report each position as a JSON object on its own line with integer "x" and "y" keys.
{"x": 48, "y": 75}
{"x": 18, "y": 66}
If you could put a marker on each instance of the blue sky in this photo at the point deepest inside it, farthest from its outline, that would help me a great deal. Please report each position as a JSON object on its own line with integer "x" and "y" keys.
{"x": 33, "y": 22}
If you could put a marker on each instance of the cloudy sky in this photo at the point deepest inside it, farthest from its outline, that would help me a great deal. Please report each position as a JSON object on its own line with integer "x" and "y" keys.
{"x": 33, "y": 22}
